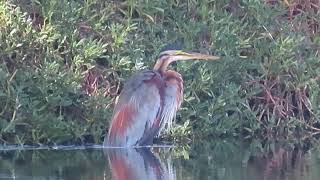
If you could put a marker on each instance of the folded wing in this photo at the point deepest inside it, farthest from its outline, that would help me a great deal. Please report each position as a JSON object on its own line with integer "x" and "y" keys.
{"x": 136, "y": 117}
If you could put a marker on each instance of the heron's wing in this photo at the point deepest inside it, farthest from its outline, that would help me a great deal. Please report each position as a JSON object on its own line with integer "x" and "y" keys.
{"x": 136, "y": 112}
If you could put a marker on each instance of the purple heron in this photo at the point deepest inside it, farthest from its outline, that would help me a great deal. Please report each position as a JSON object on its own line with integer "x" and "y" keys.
{"x": 149, "y": 101}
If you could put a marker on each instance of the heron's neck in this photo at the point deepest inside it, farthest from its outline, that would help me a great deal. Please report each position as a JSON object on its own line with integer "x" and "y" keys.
{"x": 162, "y": 64}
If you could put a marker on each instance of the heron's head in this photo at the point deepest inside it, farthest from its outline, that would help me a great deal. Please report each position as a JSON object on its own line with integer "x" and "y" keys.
{"x": 169, "y": 56}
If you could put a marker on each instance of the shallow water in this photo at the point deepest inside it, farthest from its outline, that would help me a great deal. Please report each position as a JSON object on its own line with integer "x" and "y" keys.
{"x": 219, "y": 160}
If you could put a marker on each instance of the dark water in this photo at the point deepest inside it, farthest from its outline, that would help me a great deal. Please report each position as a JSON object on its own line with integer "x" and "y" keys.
{"x": 215, "y": 160}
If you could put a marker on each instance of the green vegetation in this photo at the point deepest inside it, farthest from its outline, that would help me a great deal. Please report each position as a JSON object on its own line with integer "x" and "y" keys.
{"x": 63, "y": 62}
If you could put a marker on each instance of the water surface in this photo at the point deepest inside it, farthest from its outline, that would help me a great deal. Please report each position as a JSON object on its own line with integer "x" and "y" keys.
{"x": 215, "y": 160}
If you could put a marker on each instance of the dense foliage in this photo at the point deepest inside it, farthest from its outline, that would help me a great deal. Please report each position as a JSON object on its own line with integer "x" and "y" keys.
{"x": 63, "y": 62}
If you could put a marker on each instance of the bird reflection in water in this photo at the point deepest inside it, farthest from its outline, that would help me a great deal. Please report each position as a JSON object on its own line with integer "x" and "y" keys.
{"x": 138, "y": 164}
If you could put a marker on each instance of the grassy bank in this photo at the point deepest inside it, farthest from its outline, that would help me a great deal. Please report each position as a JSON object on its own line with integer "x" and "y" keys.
{"x": 62, "y": 63}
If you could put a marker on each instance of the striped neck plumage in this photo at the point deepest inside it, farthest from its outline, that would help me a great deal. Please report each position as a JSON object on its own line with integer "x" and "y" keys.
{"x": 162, "y": 64}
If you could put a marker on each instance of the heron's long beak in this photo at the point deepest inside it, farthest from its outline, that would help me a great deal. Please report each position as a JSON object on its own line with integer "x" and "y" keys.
{"x": 170, "y": 56}
{"x": 175, "y": 55}
{"x": 197, "y": 56}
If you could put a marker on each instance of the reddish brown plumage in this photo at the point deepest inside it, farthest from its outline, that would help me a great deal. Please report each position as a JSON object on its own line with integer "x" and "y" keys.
{"x": 174, "y": 78}
{"x": 123, "y": 120}
{"x": 136, "y": 116}
{"x": 148, "y": 92}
